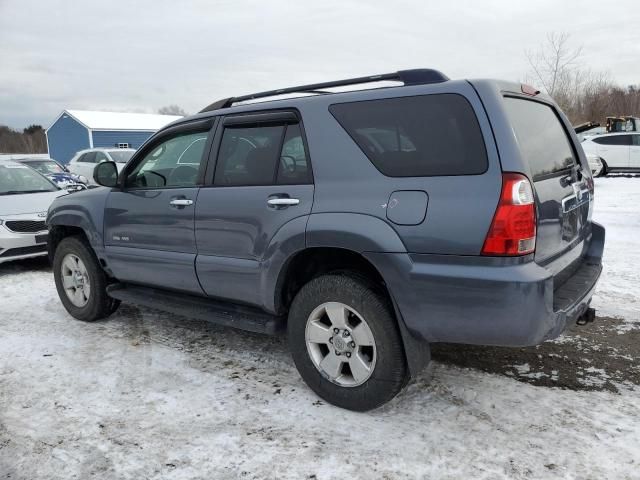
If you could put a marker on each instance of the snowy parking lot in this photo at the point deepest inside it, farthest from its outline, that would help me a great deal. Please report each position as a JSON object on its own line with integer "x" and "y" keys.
{"x": 149, "y": 395}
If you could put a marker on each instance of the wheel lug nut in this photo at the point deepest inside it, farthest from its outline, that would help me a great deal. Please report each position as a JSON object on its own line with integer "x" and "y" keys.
{"x": 337, "y": 353}
{"x": 330, "y": 339}
{"x": 348, "y": 355}
{"x": 345, "y": 333}
{"x": 336, "y": 330}
{"x": 353, "y": 344}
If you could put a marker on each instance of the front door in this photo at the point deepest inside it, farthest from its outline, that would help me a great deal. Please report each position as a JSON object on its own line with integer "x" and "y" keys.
{"x": 262, "y": 184}
{"x": 149, "y": 224}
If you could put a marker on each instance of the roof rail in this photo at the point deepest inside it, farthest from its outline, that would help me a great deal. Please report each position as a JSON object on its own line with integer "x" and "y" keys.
{"x": 417, "y": 76}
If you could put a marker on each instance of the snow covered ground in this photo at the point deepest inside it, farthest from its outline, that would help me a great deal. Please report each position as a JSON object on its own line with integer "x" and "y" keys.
{"x": 148, "y": 395}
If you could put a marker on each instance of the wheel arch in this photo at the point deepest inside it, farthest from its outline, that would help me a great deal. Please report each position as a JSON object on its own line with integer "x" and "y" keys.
{"x": 311, "y": 262}
{"x": 63, "y": 222}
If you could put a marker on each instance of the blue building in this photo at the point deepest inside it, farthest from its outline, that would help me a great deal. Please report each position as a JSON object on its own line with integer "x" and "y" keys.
{"x": 76, "y": 130}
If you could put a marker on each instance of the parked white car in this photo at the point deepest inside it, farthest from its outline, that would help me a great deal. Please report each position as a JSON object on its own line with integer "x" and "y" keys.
{"x": 618, "y": 152}
{"x": 25, "y": 196}
{"x": 85, "y": 161}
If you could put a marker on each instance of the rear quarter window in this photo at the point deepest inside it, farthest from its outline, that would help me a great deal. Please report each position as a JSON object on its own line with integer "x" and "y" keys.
{"x": 429, "y": 135}
{"x": 542, "y": 139}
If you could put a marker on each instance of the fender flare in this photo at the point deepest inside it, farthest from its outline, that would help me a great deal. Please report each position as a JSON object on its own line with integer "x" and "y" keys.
{"x": 357, "y": 233}
{"x": 353, "y": 231}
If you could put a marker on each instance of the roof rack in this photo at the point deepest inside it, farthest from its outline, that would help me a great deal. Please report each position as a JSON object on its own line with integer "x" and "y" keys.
{"x": 418, "y": 76}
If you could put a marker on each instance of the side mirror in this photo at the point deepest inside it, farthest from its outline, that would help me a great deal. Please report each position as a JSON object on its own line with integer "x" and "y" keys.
{"x": 106, "y": 174}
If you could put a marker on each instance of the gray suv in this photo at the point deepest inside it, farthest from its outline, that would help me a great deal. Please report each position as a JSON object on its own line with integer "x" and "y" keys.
{"x": 367, "y": 224}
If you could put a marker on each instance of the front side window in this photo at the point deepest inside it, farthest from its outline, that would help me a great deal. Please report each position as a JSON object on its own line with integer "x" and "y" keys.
{"x": 162, "y": 166}
{"x": 100, "y": 157}
{"x": 418, "y": 136}
{"x": 635, "y": 140}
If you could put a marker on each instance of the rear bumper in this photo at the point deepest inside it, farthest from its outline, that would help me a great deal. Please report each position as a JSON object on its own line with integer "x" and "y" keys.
{"x": 489, "y": 301}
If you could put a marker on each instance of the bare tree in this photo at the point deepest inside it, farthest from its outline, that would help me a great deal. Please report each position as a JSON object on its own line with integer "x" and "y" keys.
{"x": 555, "y": 63}
{"x": 172, "y": 110}
{"x": 582, "y": 93}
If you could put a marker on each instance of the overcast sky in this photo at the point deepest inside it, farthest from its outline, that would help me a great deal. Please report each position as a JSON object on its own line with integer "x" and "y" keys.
{"x": 126, "y": 55}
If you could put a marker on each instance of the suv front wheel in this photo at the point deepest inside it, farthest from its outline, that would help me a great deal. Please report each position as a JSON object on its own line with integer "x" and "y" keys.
{"x": 81, "y": 282}
{"x": 345, "y": 342}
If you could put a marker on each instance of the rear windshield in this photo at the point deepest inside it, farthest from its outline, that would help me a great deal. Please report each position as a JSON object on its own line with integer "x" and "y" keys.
{"x": 542, "y": 140}
{"x": 46, "y": 167}
{"x": 416, "y": 136}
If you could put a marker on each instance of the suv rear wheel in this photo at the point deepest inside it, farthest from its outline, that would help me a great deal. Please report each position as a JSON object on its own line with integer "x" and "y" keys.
{"x": 345, "y": 342}
{"x": 81, "y": 282}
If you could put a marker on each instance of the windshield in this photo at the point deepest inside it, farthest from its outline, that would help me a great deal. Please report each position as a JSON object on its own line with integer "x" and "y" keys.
{"x": 17, "y": 179}
{"x": 121, "y": 156}
{"x": 46, "y": 167}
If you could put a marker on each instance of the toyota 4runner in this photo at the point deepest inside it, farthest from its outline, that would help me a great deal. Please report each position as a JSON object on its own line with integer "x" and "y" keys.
{"x": 366, "y": 224}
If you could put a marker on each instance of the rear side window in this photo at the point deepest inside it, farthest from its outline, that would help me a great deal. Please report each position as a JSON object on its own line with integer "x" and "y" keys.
{"x": 262, "y": 155}
{"x": 614, "y": 140}
{"x": 428, "y": 135}
{"x": 88, "y": 157}
{"x": 248, "y": 156}
{"x": 543, "y": 142}
{"x": 294, "y": 167}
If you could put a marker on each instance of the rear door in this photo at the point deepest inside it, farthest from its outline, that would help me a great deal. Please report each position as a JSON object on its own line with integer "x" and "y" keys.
{"x": 559, "y": 180}
{"x": 634, "y": 151}
{"x": 149, "y": 223}
{"x": 262, "y": 183}
{"x": 614, "y": 149}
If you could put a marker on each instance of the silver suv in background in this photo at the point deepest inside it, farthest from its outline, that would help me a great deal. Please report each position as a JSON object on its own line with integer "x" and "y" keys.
{"x": 85, "y": 161}
{"x": 25, "y": 197}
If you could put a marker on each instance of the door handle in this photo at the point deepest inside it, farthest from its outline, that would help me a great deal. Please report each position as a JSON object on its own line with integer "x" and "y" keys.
{"x": 181, "y": 202}
{"x": 280, "y": 202}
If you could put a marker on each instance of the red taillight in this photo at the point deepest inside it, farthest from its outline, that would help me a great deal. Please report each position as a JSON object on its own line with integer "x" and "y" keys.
{"x": 513, "y": 230}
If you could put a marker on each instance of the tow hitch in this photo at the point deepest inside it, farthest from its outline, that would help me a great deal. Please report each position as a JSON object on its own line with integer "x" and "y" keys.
{"x": 587, "y": 317}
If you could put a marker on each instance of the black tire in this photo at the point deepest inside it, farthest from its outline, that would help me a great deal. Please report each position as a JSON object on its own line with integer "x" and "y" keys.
{"x": 389, "y": 374}
{"x": 99, "y": 305}
{"x": 604, "y": 171}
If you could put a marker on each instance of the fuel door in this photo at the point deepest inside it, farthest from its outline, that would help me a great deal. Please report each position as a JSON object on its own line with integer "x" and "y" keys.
{"x": 407, "y": 207}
